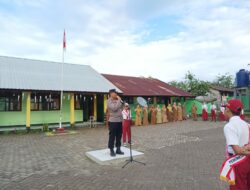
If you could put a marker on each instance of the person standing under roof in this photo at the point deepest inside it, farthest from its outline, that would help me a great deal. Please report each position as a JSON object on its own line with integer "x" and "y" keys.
{"x": 114, "y": 106}
{"x": 138, "y": 112}
{"x": 194, "y": 112}
{"x": 164, "y": 114}
{"x": 170, "y": 113}
{"x": 158, "y": 115}
{"x": 145, "y": 116}
{"x": 175, "y": 112}
{"x": 153, "y": 115}
{"x": 179, "y": 112}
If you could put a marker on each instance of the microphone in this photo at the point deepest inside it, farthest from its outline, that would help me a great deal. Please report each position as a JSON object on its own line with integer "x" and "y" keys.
{"x": 120, "y": 99}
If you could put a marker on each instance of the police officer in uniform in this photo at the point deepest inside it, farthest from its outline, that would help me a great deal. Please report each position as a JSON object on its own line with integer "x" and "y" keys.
{"x": 115, "y": 105}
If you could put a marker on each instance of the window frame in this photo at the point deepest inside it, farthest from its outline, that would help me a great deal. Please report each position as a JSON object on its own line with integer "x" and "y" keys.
{"x": 10, "y": 99}
{"x": 80, "y": 97}
{"x": 43, "y": 101}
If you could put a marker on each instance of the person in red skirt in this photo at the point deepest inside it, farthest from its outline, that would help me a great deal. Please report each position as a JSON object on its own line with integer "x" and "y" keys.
{"x": 126, "y": 127}
{"x": 242, "y": 116}
{"x": 222, "y": 111}
{"x": 204, "y": 112}
{"x": 236, "y": 168}
{"x": 213, "y": 112}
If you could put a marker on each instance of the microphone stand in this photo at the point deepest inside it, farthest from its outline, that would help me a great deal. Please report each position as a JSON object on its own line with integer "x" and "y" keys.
{"x": 131, "y": 159}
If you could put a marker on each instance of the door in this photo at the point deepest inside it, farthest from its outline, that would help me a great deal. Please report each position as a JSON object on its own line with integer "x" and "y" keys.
{"x": 88, "y": 107}
{"x": 100, "y": 107}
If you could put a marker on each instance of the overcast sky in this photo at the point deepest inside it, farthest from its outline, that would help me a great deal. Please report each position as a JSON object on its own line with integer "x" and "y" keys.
{"x": 158, "y": 38}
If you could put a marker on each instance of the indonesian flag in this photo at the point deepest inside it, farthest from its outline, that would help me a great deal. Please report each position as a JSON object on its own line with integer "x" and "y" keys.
{"x": 64, "y": 40}
{"x": 227, "y": 171}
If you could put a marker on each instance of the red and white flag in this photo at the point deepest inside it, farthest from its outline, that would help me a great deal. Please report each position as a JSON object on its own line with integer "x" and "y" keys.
{"x": 64, "y": 41}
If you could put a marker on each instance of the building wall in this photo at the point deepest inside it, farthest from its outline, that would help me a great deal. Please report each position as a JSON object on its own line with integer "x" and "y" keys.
{"x": 14, "y": 117}
{"x": 243, "y": 94}
{"x": 39, "y": 117}
{"x": 216, "y": 94}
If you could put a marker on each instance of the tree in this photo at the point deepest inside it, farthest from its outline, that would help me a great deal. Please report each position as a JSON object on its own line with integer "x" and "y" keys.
{"x": 181, "y": 85}
{"x": 193, "y": 85}
{"x": 225, "y": 80}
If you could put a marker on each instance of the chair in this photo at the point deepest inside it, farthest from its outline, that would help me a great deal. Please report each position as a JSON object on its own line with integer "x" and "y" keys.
{"x": 92, "y": 121}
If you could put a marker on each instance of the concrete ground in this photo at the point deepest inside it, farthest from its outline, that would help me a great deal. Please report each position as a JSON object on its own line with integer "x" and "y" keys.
{"x": 179, "y": 156}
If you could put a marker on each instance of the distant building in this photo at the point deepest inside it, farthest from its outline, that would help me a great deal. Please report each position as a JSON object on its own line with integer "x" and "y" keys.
{"x": 151, "y": 89}
{"x": 222, "y": 94}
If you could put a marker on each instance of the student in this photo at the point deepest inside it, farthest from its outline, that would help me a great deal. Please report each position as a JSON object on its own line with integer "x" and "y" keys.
{"x": 153, "y": 115}
{"x": 170, "y": 113}
{"x": 213, "y": 112}
{"x": 179, "y": 112}
{"x": 126, "y": 125}
{"x": 236, "y": 169}
{"x": 242, "y": 116}
{"x": 204, "y": 112}
{"x": 145, "y": 116}
{"x": 194, "y": 112}
{"x": 164, "y": 114}
{"x": 138, "y": 112}
{"x": 158, "y": 115}
{"x": 222, "y": 113}
{"x": 175, "y": 112}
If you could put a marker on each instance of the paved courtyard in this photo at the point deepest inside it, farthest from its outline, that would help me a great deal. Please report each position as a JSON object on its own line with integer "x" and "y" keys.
{"x": 179, "y": 156}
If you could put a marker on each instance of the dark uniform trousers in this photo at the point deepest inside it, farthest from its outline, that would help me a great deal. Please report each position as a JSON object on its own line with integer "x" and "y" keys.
{"x": 115, "y": 134}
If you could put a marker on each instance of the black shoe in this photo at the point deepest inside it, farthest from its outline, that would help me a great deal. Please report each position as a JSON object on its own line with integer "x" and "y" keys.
{"x": 118, "y": 151}
{"x": 112, "y": 153}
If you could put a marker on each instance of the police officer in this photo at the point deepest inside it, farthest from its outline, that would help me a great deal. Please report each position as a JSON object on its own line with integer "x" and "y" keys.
{"x": 115, "y": 105}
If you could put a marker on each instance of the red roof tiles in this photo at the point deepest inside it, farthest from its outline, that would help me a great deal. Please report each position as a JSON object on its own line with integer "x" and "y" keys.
{"x": 140, "y": 86}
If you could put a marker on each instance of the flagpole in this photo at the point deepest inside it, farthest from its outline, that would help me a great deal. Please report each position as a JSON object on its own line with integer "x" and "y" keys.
{"x": 62, "y": 72}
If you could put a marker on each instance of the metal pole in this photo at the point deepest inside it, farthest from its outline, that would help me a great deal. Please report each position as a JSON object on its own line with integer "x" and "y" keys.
{"x": 61, "y": 99}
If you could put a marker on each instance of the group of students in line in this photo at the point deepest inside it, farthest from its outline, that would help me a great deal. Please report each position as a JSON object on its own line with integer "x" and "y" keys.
{"x": 157, "y": 115}
{"x": 177, "y": 112}
{"x": 153, "y": 115}
{"x": 215, "y": 113}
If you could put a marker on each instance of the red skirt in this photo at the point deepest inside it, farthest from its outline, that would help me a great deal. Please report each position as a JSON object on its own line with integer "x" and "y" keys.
{"x": 126, "y": 130}
{"x": 204, "y": 115}
{"x": 222, "y": 116}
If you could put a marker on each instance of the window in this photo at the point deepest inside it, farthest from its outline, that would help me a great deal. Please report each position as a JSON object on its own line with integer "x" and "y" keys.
{"x": 10, "y": 101}
{"x": 45, "y": 101}
{"x": 79, "y": 101}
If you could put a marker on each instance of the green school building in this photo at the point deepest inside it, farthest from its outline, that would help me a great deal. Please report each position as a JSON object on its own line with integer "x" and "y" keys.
{"x": 30, "y": 93}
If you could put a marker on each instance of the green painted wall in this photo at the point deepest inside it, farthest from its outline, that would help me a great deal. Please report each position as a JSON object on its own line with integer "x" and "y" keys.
{"x": 39, "y": 117}
{"x": 14, "y": 117}
{"x": 245, "y": 101}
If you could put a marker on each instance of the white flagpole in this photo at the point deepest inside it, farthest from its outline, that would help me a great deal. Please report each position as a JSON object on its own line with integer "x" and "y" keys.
{"x": 62, "y": 68}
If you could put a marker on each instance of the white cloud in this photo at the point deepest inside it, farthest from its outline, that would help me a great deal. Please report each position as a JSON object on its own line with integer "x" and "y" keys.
{"x": 109, "y": 36}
